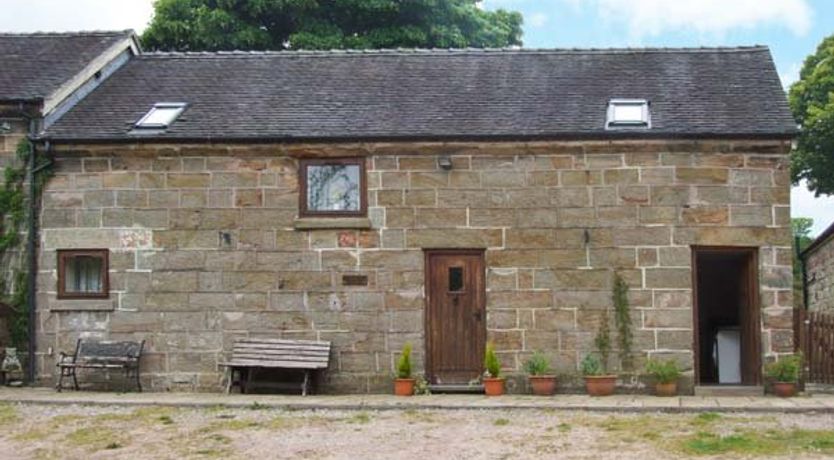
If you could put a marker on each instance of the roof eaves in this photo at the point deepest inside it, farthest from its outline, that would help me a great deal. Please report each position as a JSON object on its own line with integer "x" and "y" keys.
{"x": 826, "y": 235}
{"x": 579, "y": 136}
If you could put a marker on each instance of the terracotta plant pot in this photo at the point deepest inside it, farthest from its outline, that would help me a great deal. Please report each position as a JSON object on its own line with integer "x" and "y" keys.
{"x": 543, "y": 385}
{"x": 404, "y": 387}
{"x": 493, "y": 387}
{"x": 784, "y": 389}
{"x": 666, "y": 389}
{"x": 600, "y": 385}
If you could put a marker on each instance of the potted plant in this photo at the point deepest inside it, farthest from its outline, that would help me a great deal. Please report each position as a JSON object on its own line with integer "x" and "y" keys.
{"x": 538, "y": 368}
{"x": 785, "y": 375}
{"x": 493, "y": 382}
{"x": 404, "y": 383}
{"x": 665, "y": 374}
{"x": 597, "y": 381}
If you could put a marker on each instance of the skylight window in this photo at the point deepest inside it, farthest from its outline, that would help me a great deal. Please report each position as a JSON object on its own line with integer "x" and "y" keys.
{"x": 161, "y": 115}
{"x": 628, "y": 113}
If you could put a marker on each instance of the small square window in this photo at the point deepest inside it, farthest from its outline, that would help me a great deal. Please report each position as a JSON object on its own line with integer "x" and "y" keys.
{"x": 161, "y": 115}
{"x": 627, "y": 113}
{"x": 82, "y": 274}
{"x": 455, "y": 279}
{"x": 333, "y": 187}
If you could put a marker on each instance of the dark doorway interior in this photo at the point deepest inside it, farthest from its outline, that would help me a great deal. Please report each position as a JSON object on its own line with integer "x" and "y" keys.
{"x": 727, "y": 323}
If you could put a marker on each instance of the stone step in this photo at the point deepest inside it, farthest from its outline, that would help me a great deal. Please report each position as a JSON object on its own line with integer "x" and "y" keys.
{"x": 729, "y": 390}
{"x": 456, "y": 388}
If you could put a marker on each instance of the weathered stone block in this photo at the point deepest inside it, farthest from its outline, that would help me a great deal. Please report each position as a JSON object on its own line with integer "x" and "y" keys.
{"x": 472, "y": 238}
{"x": 668, "y": 278}
{"x": 658, "y": 318}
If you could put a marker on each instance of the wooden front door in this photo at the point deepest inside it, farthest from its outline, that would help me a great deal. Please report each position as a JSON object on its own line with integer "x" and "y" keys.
{"x": 455, "y": 315}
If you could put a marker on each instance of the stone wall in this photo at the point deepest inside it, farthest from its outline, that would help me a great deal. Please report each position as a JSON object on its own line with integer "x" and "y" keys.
{"x": 820, "y": 269}
{"x": 204, "y": 248}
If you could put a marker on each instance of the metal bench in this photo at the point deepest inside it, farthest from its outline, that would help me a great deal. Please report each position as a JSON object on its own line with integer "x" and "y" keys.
{"x": 97, "y": 354}
{"x": 252, "y": 355}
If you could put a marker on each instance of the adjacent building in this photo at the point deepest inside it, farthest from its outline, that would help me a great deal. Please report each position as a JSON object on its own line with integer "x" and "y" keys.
{"x": 818, "y": 258}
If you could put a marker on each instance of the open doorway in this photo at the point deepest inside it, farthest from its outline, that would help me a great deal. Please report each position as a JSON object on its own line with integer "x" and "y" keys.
{"x": 726, "y": 317}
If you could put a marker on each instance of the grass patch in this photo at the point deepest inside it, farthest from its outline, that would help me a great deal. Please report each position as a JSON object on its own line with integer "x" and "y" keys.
{"x": 257, "y": 406}
{"x": 361, "y": 418}
{"x": 564, "y": 427}
{"x": 93, "y": 437}
{"x": 31, "y": 435}
{"x": 166, "y": 420}
{"x": 501, "y": 422}
{"x": 8, "y": 414}
{"x": 760, "y": 443}
{"x": 706, "y": 418}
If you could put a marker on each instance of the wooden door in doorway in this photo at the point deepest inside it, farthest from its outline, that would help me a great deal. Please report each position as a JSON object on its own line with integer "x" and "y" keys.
{"x": 455, "y": 315}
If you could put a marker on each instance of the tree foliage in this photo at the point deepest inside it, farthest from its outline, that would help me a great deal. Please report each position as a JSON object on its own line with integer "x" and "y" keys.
{"x": 812, "y": 103}
{"x": 212, "y": 25}
{"x": 801, "y": 227}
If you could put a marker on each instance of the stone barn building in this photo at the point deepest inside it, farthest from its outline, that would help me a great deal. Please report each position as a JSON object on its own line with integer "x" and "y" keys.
{"x": 442, "y": 198}
{"x": 818, "y": 258}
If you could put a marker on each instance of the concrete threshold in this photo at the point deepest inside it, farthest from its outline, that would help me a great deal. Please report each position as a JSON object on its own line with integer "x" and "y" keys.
{"x": 613, "y": 404}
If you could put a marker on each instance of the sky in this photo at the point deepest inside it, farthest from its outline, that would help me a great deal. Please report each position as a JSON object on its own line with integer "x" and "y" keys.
{"x": 791, "y": 28}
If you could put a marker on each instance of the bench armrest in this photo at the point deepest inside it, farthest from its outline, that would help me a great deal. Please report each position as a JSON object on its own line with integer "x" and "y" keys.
{"x": 63, "y": 358}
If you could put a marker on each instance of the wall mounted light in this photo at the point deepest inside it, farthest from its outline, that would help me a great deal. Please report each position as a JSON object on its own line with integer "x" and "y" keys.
{"x": 444, "y": 162}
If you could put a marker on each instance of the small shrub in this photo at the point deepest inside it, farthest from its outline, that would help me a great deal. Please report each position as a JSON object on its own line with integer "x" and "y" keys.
{"x": 421, "y": 386}
{"x": 491, "y": 362}
{"x": 591, "y": 366}
{"x": 501, "y": 422}
{"x": 603, "y": 340}
{"x": 404, "y": 363}
{"x": 786, "y": 369}
{"x": 663, "y": 371}
{"x": 538, "y": 364}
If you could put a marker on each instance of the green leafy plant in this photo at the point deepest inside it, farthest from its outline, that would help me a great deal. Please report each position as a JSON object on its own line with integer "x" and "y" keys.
{"x": 538, "y": 364}
{"x": 786, "y": 369}
{"x": 421, "y": 386}
{"x": 663, "y": 371}
{"x": 622, "y": 320}
{"x": 591, "y": 366}
{"x": 603, "y": 340}
{"x": 14, "y": 207}
{"x": 404, "y": 363}
{"x": 491, "y": 362}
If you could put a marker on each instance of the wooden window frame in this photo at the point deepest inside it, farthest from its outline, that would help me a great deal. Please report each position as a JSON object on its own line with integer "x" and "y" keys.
{"x": 64, "y": 254}
{"x": 304, "y": 163}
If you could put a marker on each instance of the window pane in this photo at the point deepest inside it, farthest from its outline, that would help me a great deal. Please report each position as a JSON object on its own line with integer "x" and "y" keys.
{"x": 333, "y": 188}
{"x": 82, "y": 274}
{"x": 628, "y": 113}
{"x": 455, "y": 279}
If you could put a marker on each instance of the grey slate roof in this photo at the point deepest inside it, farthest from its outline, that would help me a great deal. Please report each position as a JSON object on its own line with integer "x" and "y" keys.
{"x": 437, "y": 94}
{"x": 34, "y": 65}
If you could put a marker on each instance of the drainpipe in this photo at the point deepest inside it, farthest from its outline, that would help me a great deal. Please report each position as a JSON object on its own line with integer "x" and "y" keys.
{"x": 804, "y": 270}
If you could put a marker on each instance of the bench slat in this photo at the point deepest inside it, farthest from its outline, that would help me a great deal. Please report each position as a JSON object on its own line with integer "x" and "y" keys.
{"x": 281, "y": 352}
{"x": 279, "y": 358}
{"x": 279, "y": 347}
{"x": 275, "y": 364}
{"x": 283, "y": 341}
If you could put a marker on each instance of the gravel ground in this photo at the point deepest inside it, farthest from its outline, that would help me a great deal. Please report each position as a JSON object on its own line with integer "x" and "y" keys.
{"x": 86, "y": 432}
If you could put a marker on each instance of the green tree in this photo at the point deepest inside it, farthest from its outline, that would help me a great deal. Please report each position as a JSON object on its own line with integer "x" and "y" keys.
{"x": 212, "y": 25}
{"x": 812, "y": 103}
{"x": 801, "y": 227}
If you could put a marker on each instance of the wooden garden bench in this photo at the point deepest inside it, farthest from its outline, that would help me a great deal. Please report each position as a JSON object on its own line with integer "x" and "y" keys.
{"x": 99, "y": 354}
{"x": 251, "y": 355}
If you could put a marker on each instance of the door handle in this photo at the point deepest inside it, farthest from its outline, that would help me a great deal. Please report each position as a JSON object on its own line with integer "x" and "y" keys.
{"x": 477, "y": 316}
